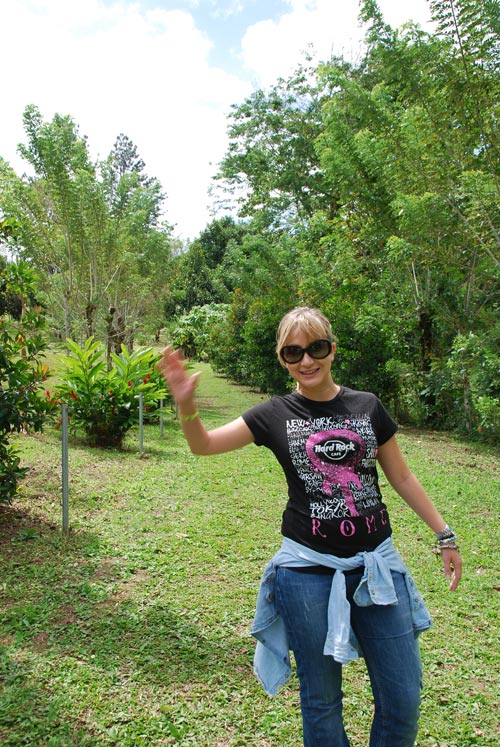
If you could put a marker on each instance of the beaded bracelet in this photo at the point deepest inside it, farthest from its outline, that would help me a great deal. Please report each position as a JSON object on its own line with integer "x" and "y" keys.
{"x": 449, "y": 544}
{"x": 189, "y": 418}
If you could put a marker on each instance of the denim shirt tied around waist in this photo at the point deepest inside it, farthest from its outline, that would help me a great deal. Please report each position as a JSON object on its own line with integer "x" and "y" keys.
{"x": 272, "y": 659}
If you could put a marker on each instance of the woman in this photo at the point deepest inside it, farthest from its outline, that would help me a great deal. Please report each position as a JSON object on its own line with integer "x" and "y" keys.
{"x": 337, "y": 587}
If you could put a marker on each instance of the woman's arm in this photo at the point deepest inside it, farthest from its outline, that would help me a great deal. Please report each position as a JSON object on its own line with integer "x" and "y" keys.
{"x": 411, "y": 491}
{"x": 227, "y": 437}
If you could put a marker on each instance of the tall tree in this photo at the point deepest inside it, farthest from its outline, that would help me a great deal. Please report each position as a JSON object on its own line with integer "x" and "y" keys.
{"x": 60, "y": 159}
{"x": 140, "y": 243}
{"x": 416, "y": 182}
{"x": 97, "y": 236}
{"x": 271, "y": 168}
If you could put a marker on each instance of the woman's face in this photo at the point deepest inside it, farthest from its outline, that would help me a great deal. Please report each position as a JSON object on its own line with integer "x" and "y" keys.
{"x": 313, "y": 375}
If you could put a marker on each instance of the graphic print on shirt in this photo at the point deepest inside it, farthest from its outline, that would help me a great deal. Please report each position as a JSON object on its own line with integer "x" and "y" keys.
{"x": 335, "y": 455}
{"x": 335, "y": 458}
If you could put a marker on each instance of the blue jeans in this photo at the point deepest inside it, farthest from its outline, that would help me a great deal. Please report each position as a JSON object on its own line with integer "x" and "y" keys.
{"x": 386, "y": 637}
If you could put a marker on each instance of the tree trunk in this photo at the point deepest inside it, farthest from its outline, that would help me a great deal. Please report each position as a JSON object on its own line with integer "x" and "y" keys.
{"x": 425, "y": 326}
{"x": 90, "y": 310}
{"x": 67, "y": 328}
{"x": 119, "y": 333}
{"x": 109, "y": 334}
{"x": 467, "y": 402}
{"x": 429, "y": 396}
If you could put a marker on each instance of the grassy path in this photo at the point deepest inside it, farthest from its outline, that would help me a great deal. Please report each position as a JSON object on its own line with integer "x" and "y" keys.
{"x": 135, "y": 629}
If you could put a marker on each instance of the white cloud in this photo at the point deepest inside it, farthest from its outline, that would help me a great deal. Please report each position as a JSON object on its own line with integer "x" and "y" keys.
{"x": 273, "y": 48}
{"x": 397, "y": 12}
{"x": 121, "y": 69}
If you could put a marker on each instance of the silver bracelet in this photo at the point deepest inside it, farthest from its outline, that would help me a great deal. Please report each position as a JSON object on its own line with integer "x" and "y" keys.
{"x": 446, "y": 539}
{"x": 445, "y": 533}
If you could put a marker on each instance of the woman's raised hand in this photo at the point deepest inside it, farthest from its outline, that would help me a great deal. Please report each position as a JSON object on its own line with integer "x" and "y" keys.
{"x": 181, "y": 385}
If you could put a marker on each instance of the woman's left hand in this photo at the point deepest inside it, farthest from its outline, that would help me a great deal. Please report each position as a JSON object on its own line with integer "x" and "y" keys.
{"x": 452, "y": 565}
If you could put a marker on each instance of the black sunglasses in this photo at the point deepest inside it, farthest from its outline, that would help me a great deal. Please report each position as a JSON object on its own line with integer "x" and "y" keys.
{"x": 318, "y": 349}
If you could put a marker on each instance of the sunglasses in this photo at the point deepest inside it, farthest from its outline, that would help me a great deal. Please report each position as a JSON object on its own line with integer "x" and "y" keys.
{"x": 318, "y": 349}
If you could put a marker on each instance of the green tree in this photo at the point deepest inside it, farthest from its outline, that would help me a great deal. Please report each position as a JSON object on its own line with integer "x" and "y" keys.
{"x": 96, "y": 235}
{"x": 402, "y": 149}
{"x": 263, "y": 273}
{"x": 199, "y": 276}
{"x": 140, "y": 246}
{"x": 52, "y": 202}
{"x": 271, "y": 169}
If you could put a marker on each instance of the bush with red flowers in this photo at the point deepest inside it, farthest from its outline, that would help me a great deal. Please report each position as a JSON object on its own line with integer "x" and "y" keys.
{"x": 104, "y": 404}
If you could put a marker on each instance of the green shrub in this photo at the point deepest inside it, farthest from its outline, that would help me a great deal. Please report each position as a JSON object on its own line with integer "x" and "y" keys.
{"x": 22, "y": 408}
{"x": 263, "y": 370}
{"x": 191, "y": 331}
{"x": 488, "y": 409}
{"x": 10, "y": 470}
{"x": 225, "y": 340}
{"x": 102, "y": 403}
{"x": 473, "y": 379}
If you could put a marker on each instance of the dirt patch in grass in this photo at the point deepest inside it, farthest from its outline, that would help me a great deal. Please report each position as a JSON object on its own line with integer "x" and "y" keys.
{"x": 18, "y": 523}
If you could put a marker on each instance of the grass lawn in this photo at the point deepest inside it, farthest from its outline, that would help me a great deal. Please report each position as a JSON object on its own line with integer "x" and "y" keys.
{"x": 134, "y": 630}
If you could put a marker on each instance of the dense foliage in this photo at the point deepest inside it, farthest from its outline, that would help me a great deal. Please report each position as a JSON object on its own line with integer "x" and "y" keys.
{"x": 22, "y": 370}
{"x": 372, "y": 190}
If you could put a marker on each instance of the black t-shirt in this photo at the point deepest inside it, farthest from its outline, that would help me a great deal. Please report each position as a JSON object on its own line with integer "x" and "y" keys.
{"x": 328, "y": 453}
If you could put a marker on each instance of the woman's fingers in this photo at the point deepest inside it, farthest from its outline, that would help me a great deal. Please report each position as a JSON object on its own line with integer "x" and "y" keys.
{"x": 452, "y": 564}
{"x": 180, "y": 383}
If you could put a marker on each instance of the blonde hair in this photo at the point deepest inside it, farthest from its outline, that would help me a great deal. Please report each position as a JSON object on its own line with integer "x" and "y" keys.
{"x": 310, "y": 321}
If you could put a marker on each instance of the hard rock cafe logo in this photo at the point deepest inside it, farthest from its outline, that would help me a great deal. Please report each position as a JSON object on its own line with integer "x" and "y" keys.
{"x": 334, "y": 450}
{"x": 336, "y": 455}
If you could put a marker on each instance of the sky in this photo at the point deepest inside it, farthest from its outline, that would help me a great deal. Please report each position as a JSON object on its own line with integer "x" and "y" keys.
{"x": 165, "y": 73}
